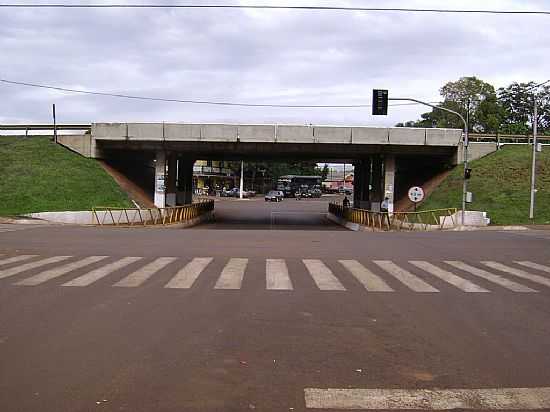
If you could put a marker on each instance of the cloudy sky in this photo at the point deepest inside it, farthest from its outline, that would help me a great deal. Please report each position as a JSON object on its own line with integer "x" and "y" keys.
{"x": 252, "y": 56}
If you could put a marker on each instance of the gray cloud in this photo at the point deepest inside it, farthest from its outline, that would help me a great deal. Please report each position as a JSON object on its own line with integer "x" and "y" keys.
{"x": 257, "y": 57}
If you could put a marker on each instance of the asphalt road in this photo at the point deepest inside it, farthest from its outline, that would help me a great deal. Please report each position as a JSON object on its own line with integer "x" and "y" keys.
{"x": 252, "y": 318}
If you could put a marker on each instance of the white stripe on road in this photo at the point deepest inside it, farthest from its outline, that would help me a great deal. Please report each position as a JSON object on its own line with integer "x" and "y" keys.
{"x": 141, "y": 275}
{"x": 407, "y": 278}
{"x": 322, "y": 275}
{"x": 428, "y": 399}
{"x": 15, "y": 259}
{"x": 94, "y": 275}
{"x": 276, "y": 274}
{"x": 536, "y": 266}
{"x": 187, "y": 275}
{"x": 232, "y": 274}
{"x": 491, "y": 277}
{"x": 56, "y": 272}
{"x": 32, "y": 265}
{"x": 371, "y": 282}
{"x": 448, "y": 277}
{"x": 518, "y": 272}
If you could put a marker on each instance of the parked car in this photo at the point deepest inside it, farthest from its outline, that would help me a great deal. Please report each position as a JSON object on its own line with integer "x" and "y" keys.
{"x": 274, "y": 196}
{"x": 315, "y": 192}
{"x": 230, "y": 193}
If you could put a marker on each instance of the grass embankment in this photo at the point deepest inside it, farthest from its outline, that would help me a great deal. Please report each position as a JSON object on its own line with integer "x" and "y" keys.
{"x": 37, "y": 175}
{"x": 500, "y": 185}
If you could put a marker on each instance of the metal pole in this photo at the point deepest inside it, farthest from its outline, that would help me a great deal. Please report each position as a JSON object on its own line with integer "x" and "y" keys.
{"x": 533, "y": 163}
{"x": 54, "y": 124}
{"x": 464, "y": 143}
{"x": 242, "y": 179}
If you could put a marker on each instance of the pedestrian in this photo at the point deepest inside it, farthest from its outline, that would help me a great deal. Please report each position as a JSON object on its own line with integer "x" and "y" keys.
{"x": 385, "y": 204}
{"x": 345, "y": 202}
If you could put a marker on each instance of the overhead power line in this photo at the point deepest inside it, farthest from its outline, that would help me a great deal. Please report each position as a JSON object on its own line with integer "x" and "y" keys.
{"x": 193, "y": 101}
{"x": 270, "y": 7}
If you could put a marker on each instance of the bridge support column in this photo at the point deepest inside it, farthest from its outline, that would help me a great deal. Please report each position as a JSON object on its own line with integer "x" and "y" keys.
{"x": 160, "y": 172}
{"x": 361, "y": 181}
{"x": 171, "y": 181}
{"x": 389, "y": 180}
{"x": 184, "y": 192}
{"x": 376, "y": 195}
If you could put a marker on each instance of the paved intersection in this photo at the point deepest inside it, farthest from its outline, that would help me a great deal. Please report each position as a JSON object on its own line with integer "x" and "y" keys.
{"x": 234, "y": 319}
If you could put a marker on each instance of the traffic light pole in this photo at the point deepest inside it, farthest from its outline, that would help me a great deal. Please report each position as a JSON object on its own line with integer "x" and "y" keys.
{"x": 533, "y": 163}
{"x": 464, "y": 144}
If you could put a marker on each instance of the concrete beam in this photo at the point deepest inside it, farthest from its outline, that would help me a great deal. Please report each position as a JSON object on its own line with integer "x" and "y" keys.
{"x": 295, "y": 134}
{"x": 329, "y": 134}
{"x": 370, "y": 135}
{"x": 407, "y": 136}
{"x": 110, "y": 131}
{"x": 443, "y": 137}
{"x": 257, "y": 133}
{"x": 145, "y": 131}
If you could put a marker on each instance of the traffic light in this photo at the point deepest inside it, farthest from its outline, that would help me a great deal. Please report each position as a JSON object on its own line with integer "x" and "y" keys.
{"x": 379, "y": 102}
{"x": 467, "y": 173}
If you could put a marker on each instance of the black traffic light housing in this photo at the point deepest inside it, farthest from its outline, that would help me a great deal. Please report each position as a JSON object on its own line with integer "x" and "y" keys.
{"x": 379, "y": 102}
{"x": 467, "y": 173}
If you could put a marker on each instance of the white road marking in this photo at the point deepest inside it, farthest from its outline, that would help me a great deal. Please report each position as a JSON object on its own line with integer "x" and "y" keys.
{"x": 519, "y": 273}
{"x": 59, "y": 271}
{"x": 371, "y": 282}
{"x": 15, "y": 259}
{"x": 187, "y": 275}
{"x": 448, "y": 277}
{"x": 141, "y": 275}
{"x": 232, "y": 274}
{"x": 94, "y": 275}
{"x": 276, "y": 274}
{"x": 536, "y": 266}
{"x": 322, "y": 275}
{"x": 491, "y": 277}
{"x": 428, "y": 399}
{"x": 32, "y": 265}
{"x": 407, "y": 278}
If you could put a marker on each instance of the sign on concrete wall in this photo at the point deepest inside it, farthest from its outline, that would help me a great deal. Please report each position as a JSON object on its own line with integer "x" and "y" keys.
{"x": 416, "y": 194}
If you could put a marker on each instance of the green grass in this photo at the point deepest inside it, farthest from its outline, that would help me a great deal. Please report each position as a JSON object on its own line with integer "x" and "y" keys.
{"x": 500, "y": 185}
{"x": 37, "y": 175}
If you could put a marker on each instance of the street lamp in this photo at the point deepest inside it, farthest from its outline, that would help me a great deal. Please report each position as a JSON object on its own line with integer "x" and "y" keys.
{"x": 464, "y": 144}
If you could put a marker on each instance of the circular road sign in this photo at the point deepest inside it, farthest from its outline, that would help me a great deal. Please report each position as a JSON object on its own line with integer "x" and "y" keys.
{"x": 416, "y": 194}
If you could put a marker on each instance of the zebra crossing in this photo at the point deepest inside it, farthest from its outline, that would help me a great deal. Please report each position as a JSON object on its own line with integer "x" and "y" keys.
{"x": 417, "y": 276}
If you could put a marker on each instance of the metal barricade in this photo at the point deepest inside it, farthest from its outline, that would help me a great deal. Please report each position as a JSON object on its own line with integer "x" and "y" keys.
{"x": 436, "y": 219}
{"x": 122, "y": 216}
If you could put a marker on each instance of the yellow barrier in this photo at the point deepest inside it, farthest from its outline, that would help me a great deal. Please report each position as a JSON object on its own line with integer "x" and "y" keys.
{"x": 383, "y": 221}
{"x": 121, "y": 216}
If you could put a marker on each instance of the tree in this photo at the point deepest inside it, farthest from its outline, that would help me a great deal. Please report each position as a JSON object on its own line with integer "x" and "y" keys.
{"x": 473, "y": 98}
{"x": 517, "y": 102}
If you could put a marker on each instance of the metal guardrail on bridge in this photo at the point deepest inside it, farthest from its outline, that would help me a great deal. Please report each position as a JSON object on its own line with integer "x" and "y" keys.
{"x": 436, "y": 219}
{"x": 121, "y": 216}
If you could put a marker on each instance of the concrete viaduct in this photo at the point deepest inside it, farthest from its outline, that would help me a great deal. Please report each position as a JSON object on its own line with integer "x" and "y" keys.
{"x": 173, "y": 148}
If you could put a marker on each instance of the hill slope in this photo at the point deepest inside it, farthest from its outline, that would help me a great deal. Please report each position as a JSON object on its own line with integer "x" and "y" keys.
{"x": 500, "y": 185}
{"x": 38, "y": 175}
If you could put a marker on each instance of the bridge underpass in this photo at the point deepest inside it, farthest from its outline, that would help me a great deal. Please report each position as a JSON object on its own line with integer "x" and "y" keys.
{"x": 160, "y": 156}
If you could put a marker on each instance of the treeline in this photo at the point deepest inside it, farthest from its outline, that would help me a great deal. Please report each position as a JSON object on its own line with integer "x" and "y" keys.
{"x": 508, "y": 110}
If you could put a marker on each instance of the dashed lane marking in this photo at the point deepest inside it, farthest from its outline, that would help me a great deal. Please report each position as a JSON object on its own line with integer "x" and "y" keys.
{"x": 187, "y": 275}
{"x": 99, "y": 273}
{"x": 15, "y": 259}
{"x": 276, "y": 274}
{"x": 371, "y": 282}
{"x": 518, "y": 272}
{"x": 491, "y": 277}
{"x": 428, "y": 399}
{"x": 407, "y": 278}
{"x": 141, "y": 275}
{"x": 322, "y": 275}
{"x": 533, "y": 265}
{"x": 32, "y": 265}
{"x": 232, "y": 274}
{"x": 60, "y": 271}
{"x": 449, "y": 277}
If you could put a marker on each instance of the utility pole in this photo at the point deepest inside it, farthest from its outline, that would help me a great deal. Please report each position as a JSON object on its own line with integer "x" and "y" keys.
{"x": 54, "y": 124}
{"x": 534, "y": 161}
{"x": 242, "y": 180}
